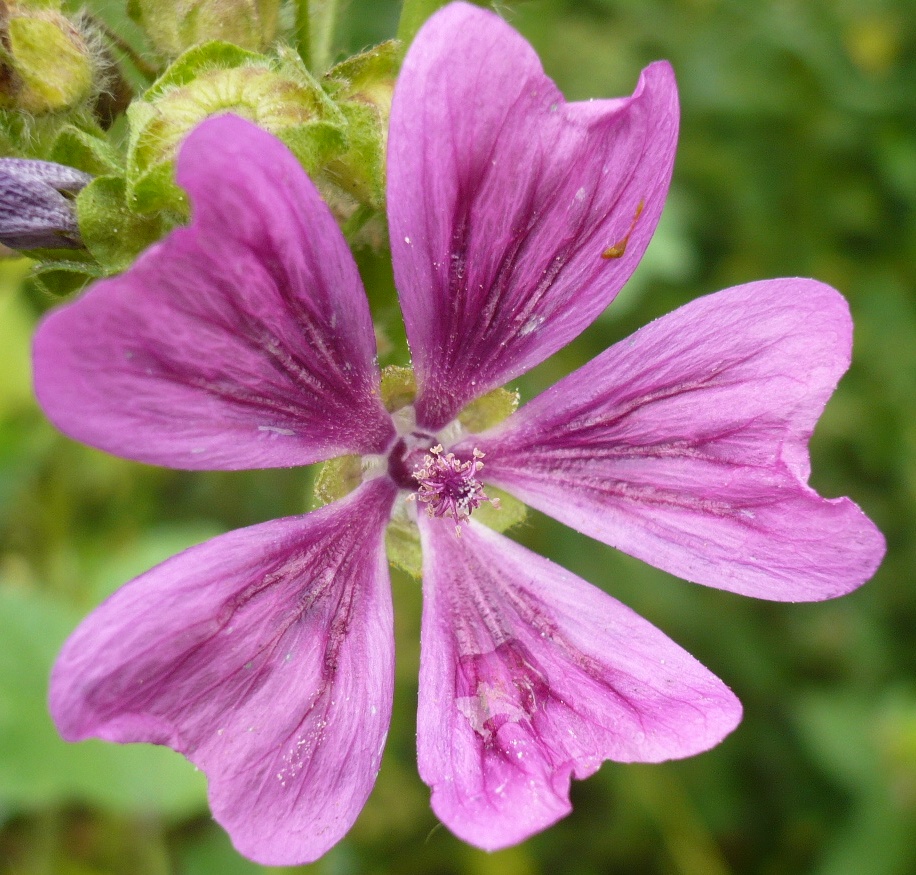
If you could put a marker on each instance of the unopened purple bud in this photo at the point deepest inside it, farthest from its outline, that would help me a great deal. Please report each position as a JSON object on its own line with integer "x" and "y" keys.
{"x": 36, "y": 204}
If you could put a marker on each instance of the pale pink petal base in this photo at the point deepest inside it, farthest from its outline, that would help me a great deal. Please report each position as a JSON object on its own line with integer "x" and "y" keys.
{"x": 530, "y": 676}
{"x": 686, "y": 445}
{"x": 266, "y": 657}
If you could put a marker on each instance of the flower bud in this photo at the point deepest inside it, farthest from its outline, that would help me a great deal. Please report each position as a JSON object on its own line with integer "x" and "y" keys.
{"x": 35, "y": 211}
{"x": 276, "y": 93}
{"x": 45, "y": 63}
{"x": 175, "y": 25}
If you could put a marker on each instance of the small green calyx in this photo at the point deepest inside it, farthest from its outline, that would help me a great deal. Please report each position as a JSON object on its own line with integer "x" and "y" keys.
{"x": 45, "y": 63}
{"x": 111, "y": 231}
{"x": 336, "y": 478}
{"x": 402, "y": 545}
{"x": 402, "y": 537}
{"x": 503, "y": 512}
{"x": 496, "y": 509}
{"x": 398, "y": 387}
{"x": 276, "y": 93}
{"x": 176, "y": 25}
{"x": 488, "y": 410}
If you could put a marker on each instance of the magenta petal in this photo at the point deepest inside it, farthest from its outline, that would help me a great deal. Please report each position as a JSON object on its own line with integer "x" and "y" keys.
{"x": 686, "y": 445}
{"x": 242, "y": 341}
{"x": 530, "y": 676}
{"x": 266, "y": 657}
{"x": 515, "y": 217}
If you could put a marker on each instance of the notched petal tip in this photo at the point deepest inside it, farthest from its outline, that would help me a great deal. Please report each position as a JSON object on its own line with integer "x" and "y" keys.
{"x": 266, "y": 657}
{"x": 242, "y": 341}
{"x": 502, "y": 199}
{"x": 686, "y": 445}
{"x": 530, "y": 676}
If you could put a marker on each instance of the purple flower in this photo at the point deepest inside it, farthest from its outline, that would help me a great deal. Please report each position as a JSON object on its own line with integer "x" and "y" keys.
{"x": 245, "y": 340}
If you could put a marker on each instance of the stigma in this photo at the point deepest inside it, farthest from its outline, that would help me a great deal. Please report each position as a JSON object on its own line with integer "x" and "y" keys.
{"x": 449, "y": 487}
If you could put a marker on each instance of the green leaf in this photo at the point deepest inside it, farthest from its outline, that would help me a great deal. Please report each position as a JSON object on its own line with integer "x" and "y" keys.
{"x": 38, "y": 769}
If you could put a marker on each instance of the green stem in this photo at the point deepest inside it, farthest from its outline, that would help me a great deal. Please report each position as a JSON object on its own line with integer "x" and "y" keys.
{"x": 322, "y": 20}
{"x": 357, "y": 221}
{"x": 302, "y": 32}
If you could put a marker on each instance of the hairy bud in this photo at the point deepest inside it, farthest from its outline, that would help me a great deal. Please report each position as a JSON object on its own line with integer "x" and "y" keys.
{"x": 45, "y": 62}
{"x": 176, "y": 25}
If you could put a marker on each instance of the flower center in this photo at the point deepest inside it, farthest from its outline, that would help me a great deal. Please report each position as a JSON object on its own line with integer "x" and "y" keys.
{"x": 449, "y": 487}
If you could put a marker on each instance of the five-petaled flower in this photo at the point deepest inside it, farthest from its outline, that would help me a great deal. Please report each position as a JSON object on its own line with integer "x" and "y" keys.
{"x": 245, "y": 341}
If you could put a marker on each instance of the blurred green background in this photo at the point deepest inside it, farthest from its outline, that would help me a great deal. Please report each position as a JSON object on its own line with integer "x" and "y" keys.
{"x": 797, "y": 157}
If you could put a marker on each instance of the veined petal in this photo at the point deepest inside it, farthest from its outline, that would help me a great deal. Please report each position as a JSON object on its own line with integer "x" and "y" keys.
{"x": 242, "y": 341}
{"x": 686, "y": 445}
{"x": 530, "y": 676}
{"x": 266, "y": 657}
{"x": 515, "y": 217}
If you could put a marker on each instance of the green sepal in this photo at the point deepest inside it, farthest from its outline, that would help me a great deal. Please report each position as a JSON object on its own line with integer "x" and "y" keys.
{"x": 85, "y": 151}
{"x": 111, "y": 231}
{"x": 200, "y": 59}
{"x": 398, "y": 387}
{"x": 156, "y": 190}
{"x": 360, "y": 171}
{"x": 361, "y": 75}
{"x": 402, "y": 545}
{"x": 313, "y": 144}
{"x": 61, "y": 256}
{"x": 62, "y": 278}
{"x": 336, "y": 478}
{"x": 488, "y": 410}
{"x": 402, "y": 537}
{"x": 363, "y": 87}
{"x": 510, "y": 513}
{"x": 27, "y": 136}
